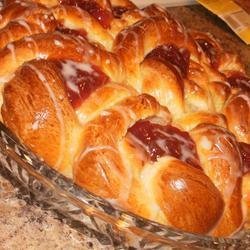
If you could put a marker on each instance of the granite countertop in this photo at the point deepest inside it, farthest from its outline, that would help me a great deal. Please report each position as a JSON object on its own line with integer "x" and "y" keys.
{"x": 24, "y": 226}
{"x": 28, "y": 227}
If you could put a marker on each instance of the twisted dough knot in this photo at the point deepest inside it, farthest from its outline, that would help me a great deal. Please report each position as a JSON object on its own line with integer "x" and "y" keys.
{"x": 151, "y": 189}
{"x": 132, "y": 106}
{"x": 187, "y": 72}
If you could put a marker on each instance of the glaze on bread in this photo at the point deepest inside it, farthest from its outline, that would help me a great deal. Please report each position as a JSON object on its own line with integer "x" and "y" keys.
{"x": 132, "y": 106}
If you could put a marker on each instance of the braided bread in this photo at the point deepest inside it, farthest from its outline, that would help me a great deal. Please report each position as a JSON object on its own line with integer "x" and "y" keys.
{"x": 132, "y": 107}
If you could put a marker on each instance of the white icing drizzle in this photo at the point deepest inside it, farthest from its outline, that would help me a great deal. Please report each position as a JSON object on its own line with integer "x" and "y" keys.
{"x": 140, "y": 153}
{"x": 147, "y": 178}
{"x": 126, "y": 113}
{"x": 69, "y": 38}
{"x": 245, "y": 97}
{"x": 126, "y": 187}
{"x": 119, "y": 68}
{"x": 186, "y": 152}
{"x": 78, "y": 40}
{"x": 186, "y": 147}
{"x": 90, "y": 149}
{"x": 104, "y": 161}
{"x": 234, "y": 168}
{"x": 58, "y": 43}
{"x": 23, "y": 23}
{"x": 24, "y": 4}
{"x": 41, "y": 55}
{"x": 112, "y": 165}
{"x": 244, "y": 81}
{"x": 105, "y": 113}
{"x": 31, "y": 43}
{"x": 58, "y": 114}
{"x": 224, "y": 144}
{"x": 134, "y": 139}
{"x": 102, "y": 171}
{"x": 11, "y": 48}
{"x": 160, "y": 9}
{"x": 122, "y": 34}
{"x": 180, "y": 28}
{"x": 41, "y": 24}
{"x": 136, "y": 45}
{"x": 69, "y": 70}
{"x": 178, "y": 184}
{"x": 206, "y": 143}
{"x": 39, "y": 118}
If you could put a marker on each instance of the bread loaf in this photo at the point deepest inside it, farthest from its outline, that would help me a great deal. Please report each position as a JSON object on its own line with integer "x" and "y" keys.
{"x": 132, "y": 106}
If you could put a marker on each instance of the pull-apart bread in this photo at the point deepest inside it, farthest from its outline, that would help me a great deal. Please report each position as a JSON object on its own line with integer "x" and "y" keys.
{"x": 132, "y": 106}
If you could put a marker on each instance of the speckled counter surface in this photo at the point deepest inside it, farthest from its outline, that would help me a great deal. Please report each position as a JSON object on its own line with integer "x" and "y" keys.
{"x": 27, "y": 227}
{"x": 24, "y": 226}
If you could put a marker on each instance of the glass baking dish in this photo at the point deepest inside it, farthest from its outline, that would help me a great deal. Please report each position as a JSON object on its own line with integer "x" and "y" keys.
{"x": 92, "y": 215}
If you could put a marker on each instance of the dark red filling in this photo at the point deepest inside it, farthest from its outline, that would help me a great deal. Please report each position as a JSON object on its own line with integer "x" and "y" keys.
{"x": 238, "y": 80}
{"x": 245, "y": 155}
{"x": 209, "y": 50}
{"x": 80, "y": 83}
{"x": 118, "y": 11}
{"x": 175, "y": 58}
{"x": 103, "y": 16}
{"x": 158, "y": 140}
{"x": 78, "y": 33}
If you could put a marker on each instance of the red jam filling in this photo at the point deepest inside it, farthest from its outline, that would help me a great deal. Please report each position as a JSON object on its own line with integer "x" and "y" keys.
{"x": 209, "y": 50}
{"x": 104, "y": 17}
{"x": 175, "y": 58}
{"x": 81, "y": 79}
{"x": 245, "y": 155}
{"x": 158, "y": 140}
{"x": 238, "y": 80}
{"x": 118, "y": 11}
{"x": 78, "y": 33}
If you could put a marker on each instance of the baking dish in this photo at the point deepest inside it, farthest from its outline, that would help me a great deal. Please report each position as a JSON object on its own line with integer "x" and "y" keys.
{"x": 91, "y": 215}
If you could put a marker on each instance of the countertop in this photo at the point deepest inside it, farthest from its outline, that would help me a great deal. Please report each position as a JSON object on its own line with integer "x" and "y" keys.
{"x": 28, "y": 227}
{"x": 25, "y": 226}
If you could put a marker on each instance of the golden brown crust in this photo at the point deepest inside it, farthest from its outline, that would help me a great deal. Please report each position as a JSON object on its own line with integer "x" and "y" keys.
{"x": 27, "y": 10}
{"x": 161, "y": 82}
{"x": 33, "y": 92}
{"x": 101, "y": 139}
{"x": 139, "y": 39}
{"x": 246, "y": 198}
{"x": 74, "y": 17}
{"x": 16, "y": 30}
{"x": 59, "y": 46}
{"x": 221, "y": 161}
{"x": 101, "y": 99}
{"x": 190, "y": 121}
{"x": 179, "y": 185}
{"x": 237, "y": 111}
{"x": 169, "y": 188}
